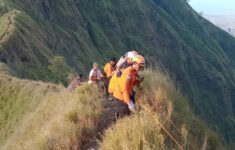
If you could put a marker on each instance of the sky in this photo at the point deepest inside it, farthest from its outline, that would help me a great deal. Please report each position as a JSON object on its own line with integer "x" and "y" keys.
{"x": 214, "y": 7}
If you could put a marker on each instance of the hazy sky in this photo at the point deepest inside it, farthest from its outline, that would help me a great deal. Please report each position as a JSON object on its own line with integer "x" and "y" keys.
{"x": 214, "y": 7}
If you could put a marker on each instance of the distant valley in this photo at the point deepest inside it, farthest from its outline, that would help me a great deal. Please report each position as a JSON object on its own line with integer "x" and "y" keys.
{"x": 226, "y": 23}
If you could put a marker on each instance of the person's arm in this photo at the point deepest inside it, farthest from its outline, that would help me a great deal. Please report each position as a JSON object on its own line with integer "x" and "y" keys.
{"x": 126, "y": 94}
{"x": 138, "y": 80}
{"x": 93, "y": 78}
{"x": 126, "y": 79}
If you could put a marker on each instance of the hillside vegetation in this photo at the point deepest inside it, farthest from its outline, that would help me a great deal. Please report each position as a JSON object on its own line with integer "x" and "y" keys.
{"x": 43, "y": 116}
{"x": 164, "y": 112}
{"x": 198, "y": 55}
{"x": 73, "y": 120}
{"x": 19, "y": 98}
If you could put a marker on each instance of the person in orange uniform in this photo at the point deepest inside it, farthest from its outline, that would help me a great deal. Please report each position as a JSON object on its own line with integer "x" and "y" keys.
{"x": 126, "y": 82}
{"x": 107, "y": 73}
{"x": 123, "y": 63}
{"x": 126, "y": 60}
{"x": 109, "y": 68}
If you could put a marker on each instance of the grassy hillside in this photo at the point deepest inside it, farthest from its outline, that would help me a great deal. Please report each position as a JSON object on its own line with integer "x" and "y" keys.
{"x": 199, "y": 55}
{"x": 162, "y": 109}
{"x": 74, "y": 120}
{"x": 41, "y": 116}
{"x": 37, "y": 115}
{"x": 17, "y": 99}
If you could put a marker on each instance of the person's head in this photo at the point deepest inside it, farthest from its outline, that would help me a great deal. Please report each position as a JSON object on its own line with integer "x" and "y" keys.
{"x": 80, "y": 75}
{"x": 130, "y": 56}
{"x": 138, "y": 62}
{"x": 95, "y": 66}
{"x": 135, "y": 52}
{"x": 113, "y": 61}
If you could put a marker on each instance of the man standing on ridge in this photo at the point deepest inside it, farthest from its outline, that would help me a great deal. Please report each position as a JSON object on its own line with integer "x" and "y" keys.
{"x": 126, "y": 82}
{"x": 94, "y": 75}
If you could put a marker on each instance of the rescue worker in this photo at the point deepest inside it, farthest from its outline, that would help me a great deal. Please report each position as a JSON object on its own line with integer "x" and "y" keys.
{"x": 124, "y": 62}
{"x": 94, "y": 75}
{"x": 126, "y": 58}
{"x": 126, "y": 82}
{"x": 107, "y": 73}
{"x": 109, "y": 68}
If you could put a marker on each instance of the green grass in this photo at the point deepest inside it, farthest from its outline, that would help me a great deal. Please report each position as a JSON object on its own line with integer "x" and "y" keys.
{"x": 5, "y": 69}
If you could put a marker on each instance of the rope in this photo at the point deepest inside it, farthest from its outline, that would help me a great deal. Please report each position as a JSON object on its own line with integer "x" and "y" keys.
{"x": 161, "y": 125}
{"x": 178, "y": 130}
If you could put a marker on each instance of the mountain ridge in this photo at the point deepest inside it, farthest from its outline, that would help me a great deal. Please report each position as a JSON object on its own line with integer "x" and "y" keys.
{"x": 199, "y": 55}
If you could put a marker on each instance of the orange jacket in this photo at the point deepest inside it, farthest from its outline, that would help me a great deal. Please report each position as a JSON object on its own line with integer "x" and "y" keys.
{"x": 108, "y": 69}
{"x": 113, "y": 83}
{"x": 125, "y": 85}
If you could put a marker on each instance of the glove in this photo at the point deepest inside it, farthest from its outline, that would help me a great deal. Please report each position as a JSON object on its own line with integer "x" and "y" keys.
{"x": 131, "y": 106}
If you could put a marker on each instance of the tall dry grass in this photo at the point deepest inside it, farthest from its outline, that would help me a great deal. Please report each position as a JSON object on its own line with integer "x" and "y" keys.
{"x": 71, "y": 120}
{"x": 162, "y": 107}
{"x": 63, "y": 121}
{"x": 18, "y": 98}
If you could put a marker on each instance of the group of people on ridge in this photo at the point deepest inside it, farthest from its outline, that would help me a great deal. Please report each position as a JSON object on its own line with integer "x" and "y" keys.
{"x": 119, "y": 78}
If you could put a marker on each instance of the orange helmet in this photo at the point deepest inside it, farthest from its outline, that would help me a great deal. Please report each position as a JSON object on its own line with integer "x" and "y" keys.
{"x": 135, "y": 52}
{"x": 139, "y": 59}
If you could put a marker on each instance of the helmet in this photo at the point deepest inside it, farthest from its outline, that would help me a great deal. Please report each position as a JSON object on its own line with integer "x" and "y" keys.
{"x": 139, "y": 59}
{"x": 135, "y": 52}
{"x": 131, "y": 55}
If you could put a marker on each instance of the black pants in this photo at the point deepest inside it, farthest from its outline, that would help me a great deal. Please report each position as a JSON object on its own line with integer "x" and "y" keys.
{"x": 132, "y": 96}
{"x": 106, "y": 85}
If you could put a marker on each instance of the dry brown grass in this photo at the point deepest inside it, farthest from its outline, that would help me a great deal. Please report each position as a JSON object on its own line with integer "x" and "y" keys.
{"x": 162, "y": 109}
{"x": 64, "y": 121}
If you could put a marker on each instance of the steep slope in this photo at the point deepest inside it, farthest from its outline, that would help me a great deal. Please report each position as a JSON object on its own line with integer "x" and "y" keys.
{"x": 161, "y": 122}
{"x": 17, "y": 99}
{"x": 75, "y": 120}
{"x": 36, "y": 115}
{"x": 199, "y": 55}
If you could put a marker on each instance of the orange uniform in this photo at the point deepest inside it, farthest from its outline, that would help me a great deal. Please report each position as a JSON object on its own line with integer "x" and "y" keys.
{"x": 108, "y": 69}
{"x": 125, "y": 85}
{"x": 113, "y": 83}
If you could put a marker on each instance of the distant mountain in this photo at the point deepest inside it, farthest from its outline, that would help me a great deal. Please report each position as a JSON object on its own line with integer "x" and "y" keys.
{"x": 226, "y": 23}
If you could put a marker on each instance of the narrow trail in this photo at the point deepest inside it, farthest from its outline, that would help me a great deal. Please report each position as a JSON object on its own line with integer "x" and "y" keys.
{"x": 7, "y": 29}
{"x": 9, "y": 24}
{"x": 108, "y": 119}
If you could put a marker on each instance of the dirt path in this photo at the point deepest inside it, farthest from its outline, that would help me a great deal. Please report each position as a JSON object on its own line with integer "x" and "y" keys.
{"x": 9, "y": 24}
{"x": 7, "y": 29}
{"x": 108, "y": 118}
